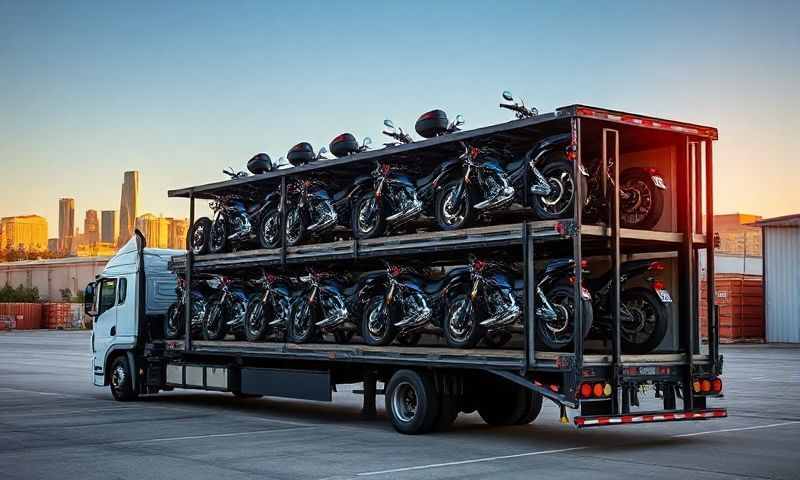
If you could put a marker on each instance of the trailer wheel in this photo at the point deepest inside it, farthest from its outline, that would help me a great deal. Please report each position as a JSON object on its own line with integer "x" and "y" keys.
{"x": 533, "y": 406}
{"x": 122, "y": 387}
{"x": 503, "y": 406}
{"x": 448, "y": 412}
{"x": 411, "y": 402}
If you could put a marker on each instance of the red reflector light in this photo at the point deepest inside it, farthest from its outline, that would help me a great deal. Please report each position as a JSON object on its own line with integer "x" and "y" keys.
{"x": 705, "y": 385}
{"x": 586, "y": 390}
{"x": 658, "y": 285}
{"x": 656, "y": 266}
{"x": 716, "y": 385}
{"x": 584, "y": 263}
{"x": 597, "y": 390}
{"x": 561, "y": 229}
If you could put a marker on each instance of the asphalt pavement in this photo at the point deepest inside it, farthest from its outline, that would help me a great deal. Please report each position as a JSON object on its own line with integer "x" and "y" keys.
{"x": 55, "y": 424}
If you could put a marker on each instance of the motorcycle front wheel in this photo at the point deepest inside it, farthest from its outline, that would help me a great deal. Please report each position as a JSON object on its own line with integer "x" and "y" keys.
{"x": 461, "y": 324}
{"x": 560, "y": 202}
{"x": 646, "y": 322}
{"x": 218, "y": 238}
{"x": 558, "y": 333}
{"x": 302, "y": 323}
{"x": 198, "y": 237}
{"x": 646, "y": 203}
{"x": 295, "y": 228}
{"x": 173, "y": 322}
{"x": 269, "y": 231}
{"x": 450, "y": 216}
{"x": 376, "y": 324}
{"x": 255, "y": 319}
{"x": 214, "y": 321}
{"x": 368, "y": 218}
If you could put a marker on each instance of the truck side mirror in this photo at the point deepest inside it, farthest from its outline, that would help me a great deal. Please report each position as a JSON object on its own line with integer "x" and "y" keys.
{"x": 88, "y": 300}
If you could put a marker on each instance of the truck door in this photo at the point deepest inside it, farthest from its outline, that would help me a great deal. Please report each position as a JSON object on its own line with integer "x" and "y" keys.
{"x": 105, "y": 323}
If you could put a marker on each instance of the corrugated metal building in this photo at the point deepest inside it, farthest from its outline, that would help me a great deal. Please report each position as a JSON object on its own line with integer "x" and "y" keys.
{"x": 51, "y": 276}
{"x": 781, "y": 244}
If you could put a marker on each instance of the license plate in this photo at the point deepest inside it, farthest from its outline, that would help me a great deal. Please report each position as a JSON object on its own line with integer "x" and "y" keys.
{"x": 664, "y": 296}
{"x": 647, "y": 370}
{"x": 659, "y": 182}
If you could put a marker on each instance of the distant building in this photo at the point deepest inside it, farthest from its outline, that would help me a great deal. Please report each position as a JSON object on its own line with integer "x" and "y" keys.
{"x": 52, "y": 244}
{"x": 97, "y": 249}
{"x": 66, "y": 224}
{"x": 782, "y": 277}
{"x": 128, "y": 206}
{"x": 52, "y": 276}
{"x": 177, "y": 233}
{"x": 109, "y": 226}
{"x": 91, "y": 228}
{"x": 738, "y": 235}
{"x": 26, "y": 232}
{"x": 155, "y": 230}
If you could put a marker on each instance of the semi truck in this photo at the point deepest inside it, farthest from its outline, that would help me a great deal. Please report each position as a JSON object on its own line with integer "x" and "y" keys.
{"x": 427, "y": 386}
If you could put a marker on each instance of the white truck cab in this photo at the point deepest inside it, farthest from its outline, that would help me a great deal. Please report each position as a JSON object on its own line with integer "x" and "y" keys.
{"x": 135, "y": 284}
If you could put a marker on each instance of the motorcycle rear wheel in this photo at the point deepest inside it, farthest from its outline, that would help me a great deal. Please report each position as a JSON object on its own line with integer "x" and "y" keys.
{"x": 373, "y": 228}
{"x": 563, "y": 299}
{"x": 649, "y": 199}
{"x": 559, "y": 173}
{"x": 645, "y": 307}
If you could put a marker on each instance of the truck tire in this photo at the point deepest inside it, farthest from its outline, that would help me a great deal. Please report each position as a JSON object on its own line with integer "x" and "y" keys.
{"x": 533, "y": 406}
{"x": 121, "y": 380}
{"x": 448, "y": 412}
{"x": 503, "y": 406}
{"x": 412, "y": 402}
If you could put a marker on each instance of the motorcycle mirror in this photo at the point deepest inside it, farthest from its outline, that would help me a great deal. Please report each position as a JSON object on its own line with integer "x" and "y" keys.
{"x": 507, "y": 96}
{"x": 323, "y": 150}
{"x": 459, "y": 119}
{"x": 367, "y": 141}
{"x": 388, "y": 124}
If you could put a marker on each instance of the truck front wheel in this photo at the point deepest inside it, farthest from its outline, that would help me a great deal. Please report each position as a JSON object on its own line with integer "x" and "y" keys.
{"x": 411, "y": 402}
{"x": 122, "y": 387}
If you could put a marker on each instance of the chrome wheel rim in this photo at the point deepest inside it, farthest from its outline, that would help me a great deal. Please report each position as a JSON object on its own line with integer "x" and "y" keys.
{"x": 270, "y": 231}
{"x": 255, "y": 320}
{"x": 377, "y": 323}
{"x": 367, "y": 222}
{"x": 405, "y": 402}
{"x": 450, "y": 213}
{"x": 562, "y": 190}
{"x": 302, "y": 323}
{"x": 293, "y": 226}
{"x": 642, "y": 321}
{"x": 198, "y": 237}
{"x": 460, "y": 323}
{"x": 218, "y": 234}
{"x": 636, "y": 209}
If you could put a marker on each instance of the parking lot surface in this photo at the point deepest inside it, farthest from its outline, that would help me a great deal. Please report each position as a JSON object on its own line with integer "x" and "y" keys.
{"x": 55, "y": 424}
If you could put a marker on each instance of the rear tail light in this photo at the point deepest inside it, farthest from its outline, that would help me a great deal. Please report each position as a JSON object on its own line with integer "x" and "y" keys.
{"x": 586, "y": 390}
{"x": 597, "y": 390}
{"x": 705, "y": 385}
{"x": 594, "y": 390}
{"x": 658, "y": 285}
{"x": 716, "y": 385}
{"x": 656, "y": 266}
{"x": 696, "y": 386}
{"x": 652, "y": 171}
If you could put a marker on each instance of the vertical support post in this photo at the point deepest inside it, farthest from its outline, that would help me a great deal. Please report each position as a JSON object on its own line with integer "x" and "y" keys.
{"x": 713, "y": 318}
{"x": 529, "y": 280}
{"x": 370, "y": 391}
{"x": 686, "y": 257}
{"x": 698, "y": 186}
{"x": 187, "y": 292}
{"x": 283, "y": 220}
{"x": 620, "y": 400}
{"x": 576, "y": 244}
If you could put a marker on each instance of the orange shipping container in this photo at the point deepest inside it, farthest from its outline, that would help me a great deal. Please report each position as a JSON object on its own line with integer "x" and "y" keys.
{"x": 28, "y": 316}
{"x": 740, "y": 301}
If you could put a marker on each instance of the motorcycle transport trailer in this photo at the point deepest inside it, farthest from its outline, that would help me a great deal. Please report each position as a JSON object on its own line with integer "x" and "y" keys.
{"x": 594, "y": 375}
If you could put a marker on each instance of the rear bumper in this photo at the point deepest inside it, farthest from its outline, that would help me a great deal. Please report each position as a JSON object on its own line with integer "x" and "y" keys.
{"x": 650, "y": 417}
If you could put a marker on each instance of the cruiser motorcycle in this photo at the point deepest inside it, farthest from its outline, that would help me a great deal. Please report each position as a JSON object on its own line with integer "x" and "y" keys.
{"x": 644, "y": 312}
{"x": 225, "y": 312}
{"x": 175, "y": 319}
{"x": 408, "y": 304}
{"x": 268, "y": 309}
{"x": 491, "y": 310}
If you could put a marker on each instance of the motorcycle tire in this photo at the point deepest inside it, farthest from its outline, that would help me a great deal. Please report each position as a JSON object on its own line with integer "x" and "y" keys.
{"x": 460, "y": 305}
{"x": 256, "y": 318}
{"x": 299, "y": 236}
{"x": 564, "y": 292}
{"x": 308, "y": 332}
{"x": 648, "y": 300}
{"x": 214, "y": 321}
{"x": 218, "y": 235}
{"x": 197, "y": 238}
{"x": 378, "y": 226}
{"x": 465, "y": 215}
{"x": 638, "y": 179}
{"x": 173, "y": 323}
{"x": 268, "y": 235}
{"x": 387, "y": 331}
{"x": 559, "y": 173}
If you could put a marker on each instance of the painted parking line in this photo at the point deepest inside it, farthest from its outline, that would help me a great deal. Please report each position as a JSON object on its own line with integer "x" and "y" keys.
{"x": 737, "y": 429}
{"x": 466, "y": 462}
{"x": 213, "y": 435}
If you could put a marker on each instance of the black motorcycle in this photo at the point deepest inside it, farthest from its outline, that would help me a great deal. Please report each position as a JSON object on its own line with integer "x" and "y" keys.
{"x": 175, "y": 319}
{"x": 225, "y": 312}
{"x": 409, "y": 303}
{"x": 492, "y": 309}
{"x": 644, "y": 312}
{"x": 268, "y": 310}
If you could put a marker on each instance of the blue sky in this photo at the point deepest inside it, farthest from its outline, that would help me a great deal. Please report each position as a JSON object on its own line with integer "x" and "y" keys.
{"x": 179, "y": 90}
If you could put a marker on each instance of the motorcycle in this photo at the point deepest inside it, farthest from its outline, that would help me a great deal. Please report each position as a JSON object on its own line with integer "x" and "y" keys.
{"x": 491, "y": 310}
{"x": 644, "y": 312}
{"x": 397, "y": 133}
{"x": 641, "y": 195}
{"x": 225, "y": 312}
{"x": 268, "y": 310}
{"x": 519, "y": 109}
{"x": 176, "y": 313}
{"x": 409, "y": 304}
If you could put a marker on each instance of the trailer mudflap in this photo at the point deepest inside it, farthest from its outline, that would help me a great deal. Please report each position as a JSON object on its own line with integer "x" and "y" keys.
{"x": 650, "y": 417}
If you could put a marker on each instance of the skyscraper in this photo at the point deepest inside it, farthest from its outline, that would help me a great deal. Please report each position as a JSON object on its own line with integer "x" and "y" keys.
{"x": 28, "y": 232}
{"x": 128, "y": 206}
{"x": 66, "y": 224}
{"x": 91, "y": 228}
{"x": 108, "y": 226}
{"x": 155, "y": 230}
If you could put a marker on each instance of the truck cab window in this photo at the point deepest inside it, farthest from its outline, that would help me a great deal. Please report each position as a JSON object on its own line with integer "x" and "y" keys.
{"x": 122, "y": 290}
{"x": 108, "y": 295}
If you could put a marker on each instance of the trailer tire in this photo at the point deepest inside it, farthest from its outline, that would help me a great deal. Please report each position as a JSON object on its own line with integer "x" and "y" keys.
{"x": 533, "y": 406}
{"x": 412, "y": 402}
{"x": 121, "y": 380}
{"x": 503, "y": 406}
{"x": 448, "y": 412}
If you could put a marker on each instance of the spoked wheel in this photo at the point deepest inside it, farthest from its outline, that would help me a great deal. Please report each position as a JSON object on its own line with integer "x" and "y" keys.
{"x": 255, "y": 319}
{"x": 122, "y": 386}
{"x": 412, "y": 402}
{"x": 295, "y": 227}
{"x": 645, "y": 203}
{"x": 452, "y": 216}
{"x": 218, "y": 239}
{"x": 558, "y": 333}
{"x": 214, "y": 322}
{"x": 559, "y": 203}
{"x": 644, "y": 322}
{"x": 368, "y": 218}
{"x": 302, "y": 323}
{"x": 269, "y": 232}
{"x": 173, "y": 322}
{"x": 376, "y": 323}
{"x": 462, "y": 329}
{"x": 198, "y": 236}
